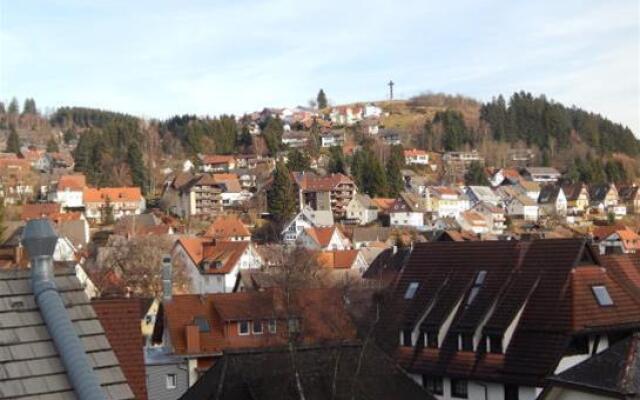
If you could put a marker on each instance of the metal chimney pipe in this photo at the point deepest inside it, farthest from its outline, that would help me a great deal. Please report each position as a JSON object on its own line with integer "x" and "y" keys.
{"x": 39, "y": 238}
{"x": 167, "y": 279}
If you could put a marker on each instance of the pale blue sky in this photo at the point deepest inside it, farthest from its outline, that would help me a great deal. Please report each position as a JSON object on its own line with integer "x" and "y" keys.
{"x": 159, "y": 58}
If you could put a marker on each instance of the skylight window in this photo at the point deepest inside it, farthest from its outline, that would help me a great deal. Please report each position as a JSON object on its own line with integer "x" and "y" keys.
{"x": 411, "y": 290}
{"x": 477, "y": 284}
{"x": 602, "y": 295}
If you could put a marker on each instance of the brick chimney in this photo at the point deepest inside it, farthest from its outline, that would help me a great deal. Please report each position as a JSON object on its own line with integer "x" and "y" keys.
{"x": 193, "y": 338}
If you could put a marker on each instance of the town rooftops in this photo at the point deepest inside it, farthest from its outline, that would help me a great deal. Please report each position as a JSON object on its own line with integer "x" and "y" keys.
{"x": 480, "y": 287}
{"x": 549, "y": 194}
{"x": 337, "y": 259}
{"x": 321, "y": 235}
{"x": 598, "y": 192}
{"x": 214, "y": 159}
{"x": 30, "y": 364}
{"x": 572, "y": 190}
{"x": 39, "y": 210}
{"x": 213, "y": 256}
{"x": 113, "y": 194}
{"x": 414, "y": 153}
{"x": 547, "y": 171}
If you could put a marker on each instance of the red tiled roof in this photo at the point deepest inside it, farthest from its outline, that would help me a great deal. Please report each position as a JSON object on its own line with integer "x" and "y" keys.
{"x": 223, "y": 255}
{"x": 120, "y": 319}
{"x": 338, "y": 259}
{"x": 216, "y": 159}
{"x": 414, "y": 153}
{"x": 225, "y": 227}
{"x": 39, "y": 210}
{"x": 321, "y": 235}
{"x": 92, "y": 195}
{"x": 310, "y": 182}
{"x": 321, "y": 310}
{"x": 72, "y": 182}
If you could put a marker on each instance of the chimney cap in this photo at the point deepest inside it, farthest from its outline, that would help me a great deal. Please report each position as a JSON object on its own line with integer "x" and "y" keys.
{"x": 39, "y": 237}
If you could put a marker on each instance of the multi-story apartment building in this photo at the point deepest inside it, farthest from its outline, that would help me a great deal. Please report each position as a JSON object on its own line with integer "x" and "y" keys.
{"x": 332, "y": 192}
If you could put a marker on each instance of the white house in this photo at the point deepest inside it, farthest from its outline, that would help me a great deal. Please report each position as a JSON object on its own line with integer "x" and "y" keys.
{"x": 416, "y": 157}
{"x": 479, "y": 194}
{"x": 213, "y": 265}
{"x": 371, "y": 110}
{"x": 473, "y": 221}
{"x": 518, "y": 205}
{"x": 448, "y": 201}
{"x": 552, "y": 200}
{"x": 493, "y": 215}
{"x": 327, "y": 238}
{"x": 68, "y": 191}
{"x": 407, "y": 211}
{"x": 362, "y": 209}
{"x": 307, "y": 218}
{"x": 332, "y": 139}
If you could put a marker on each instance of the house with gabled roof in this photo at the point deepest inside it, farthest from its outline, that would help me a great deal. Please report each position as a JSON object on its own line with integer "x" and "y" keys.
{"x": 630, "y": 197}
{"x": 494, "y": 215}
{"x": 122, "y": 200}
{"x": 474, "y": 222}
{"x": 616, "y": 239}
{"x": 482, "y": 194}
{"x": 68, "y": 191}
{"x": 609, "y": 375}
{"x": 361, "y": 209}
{"x": 217, "y": 162}
{"x": 577, "y": 197}
{"x": 518, "y": 205}
{"x": 494, "y": 319}
{"x": 542, "y": 174}
{"x": 552, "y": 200}
{"x": 324, "y": 238}
{"x": 306, "y": 218}
{"x": 416, "y": 157}
{"x": 228, "y": 227}
{"x": 408, "y": 211}
{"x": 448, "y": 201}
{"x": 604, "y": 196}
{"x": 197, "y": 329}
{"x": 213, "y": 265}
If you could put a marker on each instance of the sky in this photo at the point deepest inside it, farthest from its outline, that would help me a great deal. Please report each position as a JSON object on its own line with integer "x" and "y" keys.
{"x": 160, "y": 58}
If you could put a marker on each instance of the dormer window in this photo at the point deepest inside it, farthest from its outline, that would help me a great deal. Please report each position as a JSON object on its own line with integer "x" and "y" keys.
{"x": 411, "y": 290}
{"x": 407, "y": 340}
{"x": 494, "y": 344}
{"x": 431, "y": 339}
{"x": 465, "y": 342}
{"x": 477, "y": 284}
{"x": 602, "y": 295}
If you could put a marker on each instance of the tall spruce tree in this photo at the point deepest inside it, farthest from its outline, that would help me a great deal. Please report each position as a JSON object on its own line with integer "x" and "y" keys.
{"x": 298, "y": 161}
{"x": 273, "y": 135}
{"x": 336, "y": 160}
{"x": 394, "y": 166}
{"x": 29, "y": 107}
{"x": 475, "y": 175}
{"x": 321, "y": 100}
{"x": 13, "y": 141}
{"x": 137, "y": 167}
{"x": 281, "y": 197}
{"x": 14, "y": 107}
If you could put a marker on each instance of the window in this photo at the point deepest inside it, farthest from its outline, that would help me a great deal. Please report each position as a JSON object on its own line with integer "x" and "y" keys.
{"x": 202, "y": 323}
{"x": 411, "y": 290}
{"x": 257, "y": 327}
{"x": 172, "y": 381}
{"x": 294, "y": 325}
{"x": 578, "y": 345}
{"x": 477, "y": 284}
{"x": 273, "y": 325}
{"x": 243, "y": 328}
{"x": 495, "y": 344}
{"x": 406, "y": 338}
{"x": 511, "y": 392}
{"x": 465, "y": 342}
{"x": 602, "y": 295}
{"x": 459, "y": 388}
{"x": 433, "y": 384}
{"x": 432, "y": 340}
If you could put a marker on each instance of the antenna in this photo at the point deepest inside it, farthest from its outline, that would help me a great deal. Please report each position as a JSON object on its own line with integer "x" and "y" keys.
{"x": 390, "y": 89}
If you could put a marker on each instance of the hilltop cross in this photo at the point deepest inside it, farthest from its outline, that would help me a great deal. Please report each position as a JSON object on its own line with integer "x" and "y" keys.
{"x": 390, "y": 90}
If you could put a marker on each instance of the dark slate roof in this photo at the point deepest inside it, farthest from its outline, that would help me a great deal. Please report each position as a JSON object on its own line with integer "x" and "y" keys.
{"x": 268, "y": 374}
{"x": 550, "y": 280}
{"x": 615, "y": 370}
{"x": 598, "y": 192}
{"x": 29, "y": 362}
{"x": 548, "y": 194}
{"x": 387, "y": 264}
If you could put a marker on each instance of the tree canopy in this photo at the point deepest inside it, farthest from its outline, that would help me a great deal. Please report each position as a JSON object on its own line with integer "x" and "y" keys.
{"x": 321, "y": 100}
{"x": 281, "y": 197}
{"x": 13, "y": 141}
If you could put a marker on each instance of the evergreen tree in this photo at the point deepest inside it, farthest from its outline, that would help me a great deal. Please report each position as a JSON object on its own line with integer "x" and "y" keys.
{"x": 454, "y": 129}
{"x": 321, "y": 100}
{"x": 368, "y": 173}
{"x": 546, "y": 161}
{"x": 29, "y": 107}
{"x": 475, "y": 175}
{"x": 245, "y": 139}
{"x": 336, "y": 160}
{"x": 298, "y": 161}
{"x": 52, "y": 145}
{"x": 394, "y": 166}
{"x": 281, "y": 197}
{"x": 2, "y": 109}
{"x": 137, "y": 167}
{"x": 13, "y": 141}
{"x": 273, "y": 135}
{"x": 14, "y": 107}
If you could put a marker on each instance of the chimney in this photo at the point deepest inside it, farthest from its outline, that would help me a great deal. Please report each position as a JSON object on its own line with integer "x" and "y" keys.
{"x": 193, "y": 338}
{"x": 167, "y": 280}
{"x": 39, "y": 240}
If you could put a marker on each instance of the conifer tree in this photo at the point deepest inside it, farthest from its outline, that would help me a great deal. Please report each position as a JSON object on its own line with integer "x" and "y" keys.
{"x": 475, "y": 175}
{"x": 321, "y": 100}
{"x": 14, "y": 107}
{"x": 137, "y": 167}
{"x": 273, "y": 135}
{"x": 336, "y": 160}
{"x": 13, "y": 141}
{"x": 394, "y": 166}
{"x": 281, "y": 197}
{"x": 298, "y": 161}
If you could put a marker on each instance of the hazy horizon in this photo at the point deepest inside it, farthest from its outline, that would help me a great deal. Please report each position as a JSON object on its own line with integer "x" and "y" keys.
{"x": 158, "y": 59}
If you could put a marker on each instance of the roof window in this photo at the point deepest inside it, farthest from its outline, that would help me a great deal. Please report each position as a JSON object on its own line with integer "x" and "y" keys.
{"x": 602, "y": 295}
{"x": 411, "y": 290}
{"x": 477, "y": 284}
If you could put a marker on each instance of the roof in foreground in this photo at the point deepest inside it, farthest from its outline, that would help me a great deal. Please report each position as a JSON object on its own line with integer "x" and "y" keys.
{"x": 325, "y": 372}
{"x": 31, "y": 367}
